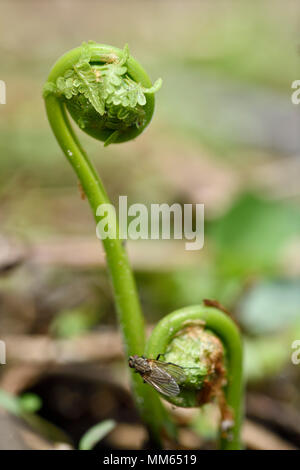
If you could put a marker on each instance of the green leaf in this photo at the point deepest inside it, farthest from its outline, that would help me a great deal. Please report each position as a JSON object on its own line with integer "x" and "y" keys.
{"x": 74, "y": 322}
{"x": 155, "y": 87}
{"x": 85, "y": 54}
{"x": 89, "y": 86}
{"x": 250, "y": 237}
{"x": 96, "y": 434}
{"x": 15, "y": 405}
{"x": 126, "y": 55}
{"x": 270, "y": 306}
{"x": 265, "y": 357}
{"x": 30, "y": 402}
{"x": 27, "y": 403}
{"x": 48, "y": 89}
{"x": 10, "y": 403}
{"x": 111, "y": 139}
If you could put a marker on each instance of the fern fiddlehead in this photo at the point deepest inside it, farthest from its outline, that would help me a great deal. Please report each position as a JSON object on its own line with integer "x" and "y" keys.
{"x": 207, "y": 344}
{"x": 110, "y": 97}
{"x": 105, "y": 90}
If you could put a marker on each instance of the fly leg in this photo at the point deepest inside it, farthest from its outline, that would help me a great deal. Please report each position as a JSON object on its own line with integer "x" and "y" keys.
{"x": 159, "y": 355}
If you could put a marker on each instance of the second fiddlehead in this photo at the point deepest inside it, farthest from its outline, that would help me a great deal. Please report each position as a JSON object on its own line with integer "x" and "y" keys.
{"x": 207, "y": 344}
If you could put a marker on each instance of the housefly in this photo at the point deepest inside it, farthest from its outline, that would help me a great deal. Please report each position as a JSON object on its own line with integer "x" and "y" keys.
{"x": 163, "y": 376}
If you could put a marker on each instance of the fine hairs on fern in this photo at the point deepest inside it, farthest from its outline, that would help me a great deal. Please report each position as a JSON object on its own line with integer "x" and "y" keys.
{"x": 111, "y": 98}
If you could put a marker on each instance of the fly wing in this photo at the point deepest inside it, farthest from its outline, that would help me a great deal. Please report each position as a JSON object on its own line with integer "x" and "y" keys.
{"x": 173, "y": 370}
{"x": 166, "y": 387}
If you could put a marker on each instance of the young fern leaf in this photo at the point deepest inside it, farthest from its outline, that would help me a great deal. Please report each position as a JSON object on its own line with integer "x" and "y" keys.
{"x": 111, "y": 139}
{"x": 88, "y": 86}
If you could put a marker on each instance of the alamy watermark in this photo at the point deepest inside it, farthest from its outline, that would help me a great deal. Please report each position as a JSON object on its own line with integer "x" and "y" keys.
{"x": 2, "y": 353}
{"x": 2, "y": 92}
{"x": 295, "y": 97}
{"x": 160, "y": 221}
{"x": 296, "y": 354}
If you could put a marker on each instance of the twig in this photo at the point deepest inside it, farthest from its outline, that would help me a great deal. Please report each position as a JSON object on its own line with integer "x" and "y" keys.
{"x": 38, "y": 349}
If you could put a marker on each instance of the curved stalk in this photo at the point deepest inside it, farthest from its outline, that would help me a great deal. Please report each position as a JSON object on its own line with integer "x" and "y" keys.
{"x": 127, "y": 302}
{"x": 224, "y": 328}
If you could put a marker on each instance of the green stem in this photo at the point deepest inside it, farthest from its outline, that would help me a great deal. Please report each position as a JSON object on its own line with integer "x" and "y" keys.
{"x": 223, "y": 327}
{"x": 127, "y": 302}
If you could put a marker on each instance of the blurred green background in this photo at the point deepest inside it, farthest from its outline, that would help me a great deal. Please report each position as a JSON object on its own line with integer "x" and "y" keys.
{"x": 224, "y": 133}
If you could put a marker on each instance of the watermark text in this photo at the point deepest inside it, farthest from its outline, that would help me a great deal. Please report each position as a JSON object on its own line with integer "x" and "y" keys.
{"x": 296, "y": 354}
{"x": 160, "y": 221}
{"x": 295, "y": 97}
{"x": 2, "y": 92}
{"x": 2, "y": 353}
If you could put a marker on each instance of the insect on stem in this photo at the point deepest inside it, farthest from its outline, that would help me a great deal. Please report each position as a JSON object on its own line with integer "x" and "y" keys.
{"x": 164, "y": 377}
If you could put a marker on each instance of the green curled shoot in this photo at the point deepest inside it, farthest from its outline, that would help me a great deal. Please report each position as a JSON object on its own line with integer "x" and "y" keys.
{"x": 102, "y": 93}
